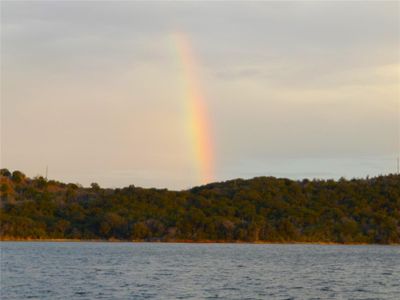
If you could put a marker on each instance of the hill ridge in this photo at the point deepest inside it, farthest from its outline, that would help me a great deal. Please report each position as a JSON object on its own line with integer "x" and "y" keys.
{"x": 261, "y": 209}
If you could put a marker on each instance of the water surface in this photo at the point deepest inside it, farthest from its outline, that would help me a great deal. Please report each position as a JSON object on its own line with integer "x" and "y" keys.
{"x": 58, "y": 270}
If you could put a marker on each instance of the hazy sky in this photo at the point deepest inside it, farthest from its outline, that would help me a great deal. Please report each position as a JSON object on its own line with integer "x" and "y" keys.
{"x": 292, "y": 89}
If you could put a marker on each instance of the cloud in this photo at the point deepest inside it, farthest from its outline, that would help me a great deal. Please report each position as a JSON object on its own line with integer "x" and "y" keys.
{"x": 94, "y": 87}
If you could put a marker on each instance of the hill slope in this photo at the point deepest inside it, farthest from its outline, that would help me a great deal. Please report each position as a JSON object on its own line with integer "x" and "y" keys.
{"x": 260, "y": 209}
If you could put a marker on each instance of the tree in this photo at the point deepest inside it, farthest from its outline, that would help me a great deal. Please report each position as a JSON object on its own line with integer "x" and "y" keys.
{"x": 18, "y": 176}
{"x": 95, "y": 186}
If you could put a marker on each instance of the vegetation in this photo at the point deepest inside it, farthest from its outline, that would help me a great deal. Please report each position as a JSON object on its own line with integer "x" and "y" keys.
{"x": 260, "y": 209}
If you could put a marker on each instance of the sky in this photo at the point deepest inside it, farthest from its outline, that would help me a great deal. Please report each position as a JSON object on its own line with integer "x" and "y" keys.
{"x": 105, "y": 91}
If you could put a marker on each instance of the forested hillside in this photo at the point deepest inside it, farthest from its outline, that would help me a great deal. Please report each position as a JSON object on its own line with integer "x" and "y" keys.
{"x": 260, "y": 209}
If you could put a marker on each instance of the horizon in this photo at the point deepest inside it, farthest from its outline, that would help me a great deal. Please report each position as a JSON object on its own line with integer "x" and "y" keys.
{"x": 167, "y": 95}
{"x": 337, "y": 180}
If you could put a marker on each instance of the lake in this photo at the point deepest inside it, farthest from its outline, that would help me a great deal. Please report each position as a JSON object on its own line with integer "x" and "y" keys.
{"x": 87, "y": 270}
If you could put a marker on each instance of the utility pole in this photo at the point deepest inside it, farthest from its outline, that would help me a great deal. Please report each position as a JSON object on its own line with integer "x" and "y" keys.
{"x": 398, "y": 165}
{"x": 47, "y": 171}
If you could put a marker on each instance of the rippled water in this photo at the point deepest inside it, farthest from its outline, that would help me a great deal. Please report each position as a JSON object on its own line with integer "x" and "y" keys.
{"x": 197, "y": 271}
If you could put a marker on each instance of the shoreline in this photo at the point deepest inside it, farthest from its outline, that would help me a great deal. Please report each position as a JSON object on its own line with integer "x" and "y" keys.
{"x": 191, "y": 242}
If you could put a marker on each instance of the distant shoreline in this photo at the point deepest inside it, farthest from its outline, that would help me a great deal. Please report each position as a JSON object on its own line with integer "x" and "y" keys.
{"x": 262, "y": 210}
{"x": 190, "y": 242}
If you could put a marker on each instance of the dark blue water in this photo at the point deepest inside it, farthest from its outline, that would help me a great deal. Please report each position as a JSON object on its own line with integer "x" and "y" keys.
{"x": 197, "y": 271}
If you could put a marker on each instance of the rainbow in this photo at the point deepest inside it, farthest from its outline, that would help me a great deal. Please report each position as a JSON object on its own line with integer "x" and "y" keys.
{"x": 198, "y": 123}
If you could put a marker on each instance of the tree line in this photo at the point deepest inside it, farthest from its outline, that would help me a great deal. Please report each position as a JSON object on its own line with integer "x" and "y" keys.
{"x": 262, "y": 209}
